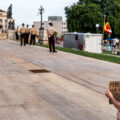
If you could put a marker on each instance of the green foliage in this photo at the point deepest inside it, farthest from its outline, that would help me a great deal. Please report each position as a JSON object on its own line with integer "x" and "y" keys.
{"x": 110, "y": 58}
{"x": 55, "y": 34}
{"x": 104, "y": 57}
{"x": 84, "y": 15}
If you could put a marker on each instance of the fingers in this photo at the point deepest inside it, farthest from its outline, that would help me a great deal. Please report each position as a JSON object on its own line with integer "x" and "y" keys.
{"x": 108, "y": 93}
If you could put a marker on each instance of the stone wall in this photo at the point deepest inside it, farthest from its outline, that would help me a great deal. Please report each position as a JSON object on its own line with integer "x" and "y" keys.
{"x": 3, "y": 36}
{"x": 43, "y": 37}
{"x": 11, "y": 34}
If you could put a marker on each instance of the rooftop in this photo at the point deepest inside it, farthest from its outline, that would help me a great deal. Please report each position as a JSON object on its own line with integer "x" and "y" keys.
{"x": 2, "y": 10}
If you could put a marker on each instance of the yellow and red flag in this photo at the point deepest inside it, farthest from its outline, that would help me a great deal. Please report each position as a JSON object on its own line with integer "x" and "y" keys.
{"x": 107, "y": 28}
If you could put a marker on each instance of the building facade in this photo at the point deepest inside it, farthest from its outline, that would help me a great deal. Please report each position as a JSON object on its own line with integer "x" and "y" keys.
{"x": 59, "y": 25}
{"x": 64, "y": 27}
{"x": 3, "y": 21}
{"x": 55, "y": 18}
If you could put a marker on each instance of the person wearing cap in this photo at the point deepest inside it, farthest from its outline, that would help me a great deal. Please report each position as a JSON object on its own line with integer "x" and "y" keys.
{"x": 33, "y": 33}
{"x": 50, "y": 33}
{"x": 27, "y": 32}
{"x": 22, "y": 32}
{"x": 115, "y": 102}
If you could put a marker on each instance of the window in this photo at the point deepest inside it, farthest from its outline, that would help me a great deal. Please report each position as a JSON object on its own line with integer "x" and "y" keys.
{"x": 0, "y": 20}
{"x": 1, "y": 26}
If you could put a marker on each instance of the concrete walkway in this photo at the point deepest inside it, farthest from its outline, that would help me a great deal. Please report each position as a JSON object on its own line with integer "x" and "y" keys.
{"x": 73, "y": 89}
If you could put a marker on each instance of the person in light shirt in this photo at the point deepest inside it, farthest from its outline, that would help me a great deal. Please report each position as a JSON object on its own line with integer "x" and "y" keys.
{"x": 27, "y": 33}
{"x": 22, "y": 32}
{"x": 50, "y": 33}
{"x": 33, "y": 33}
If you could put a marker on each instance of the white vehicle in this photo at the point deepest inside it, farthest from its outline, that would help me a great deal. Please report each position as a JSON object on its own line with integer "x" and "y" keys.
{"x": 84, "y": 41}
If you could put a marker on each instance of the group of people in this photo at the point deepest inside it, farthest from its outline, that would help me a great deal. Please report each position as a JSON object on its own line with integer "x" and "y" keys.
{"x": 24, "y": 33}
{"x": 112, "y": 45}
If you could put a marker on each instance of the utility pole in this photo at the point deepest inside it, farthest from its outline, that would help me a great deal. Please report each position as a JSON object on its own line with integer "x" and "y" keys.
{"x": 104, "y": 25}
{"x": 41, "y": 11}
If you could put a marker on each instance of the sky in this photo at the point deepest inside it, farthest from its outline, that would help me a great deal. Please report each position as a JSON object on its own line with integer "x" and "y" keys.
{"x": 26, "y": 11}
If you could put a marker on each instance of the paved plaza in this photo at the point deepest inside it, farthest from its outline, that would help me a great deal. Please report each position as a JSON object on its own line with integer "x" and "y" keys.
{"x": 65, "y": 86}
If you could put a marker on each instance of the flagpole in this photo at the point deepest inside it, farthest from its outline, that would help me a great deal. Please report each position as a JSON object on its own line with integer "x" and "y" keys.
{"x": 104, "y": 25}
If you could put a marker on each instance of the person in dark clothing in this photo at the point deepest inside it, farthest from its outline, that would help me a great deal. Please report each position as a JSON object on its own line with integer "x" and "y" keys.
{"x": 17, "y": 33}
{"x": 27, "y": 34}
{"x": 33, "y": 33}
{"x": 50, "y": 33}
{"x": 22, "y": 32}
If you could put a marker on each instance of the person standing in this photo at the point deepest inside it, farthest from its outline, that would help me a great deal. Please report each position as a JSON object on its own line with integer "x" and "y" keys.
{"x": 22, "y": 32}
{"x": 33, "y": 33}
{"x": 27, "y": 34}
{"x": 17, "y": 33}
{"x": 50, "y": 33}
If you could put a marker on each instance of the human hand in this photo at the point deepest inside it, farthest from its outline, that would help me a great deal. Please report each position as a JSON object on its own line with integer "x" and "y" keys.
{"x": 109, "y": 94}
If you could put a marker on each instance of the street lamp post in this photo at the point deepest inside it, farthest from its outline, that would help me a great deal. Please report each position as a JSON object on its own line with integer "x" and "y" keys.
{"x": 97, "y": 27}
{"x": 41, "y": 11}
{"x": 104, "y": 25}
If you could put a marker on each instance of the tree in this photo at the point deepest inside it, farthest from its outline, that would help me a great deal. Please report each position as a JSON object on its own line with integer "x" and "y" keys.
{"x": 80, "y": 17}
{"x": 56, "y": 34}
{"x": 84, "y": 15}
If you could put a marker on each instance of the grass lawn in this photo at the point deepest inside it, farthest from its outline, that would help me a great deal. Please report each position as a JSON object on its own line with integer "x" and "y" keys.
{"x": 108, "y": 52}
{"x": 104, "y": 57}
